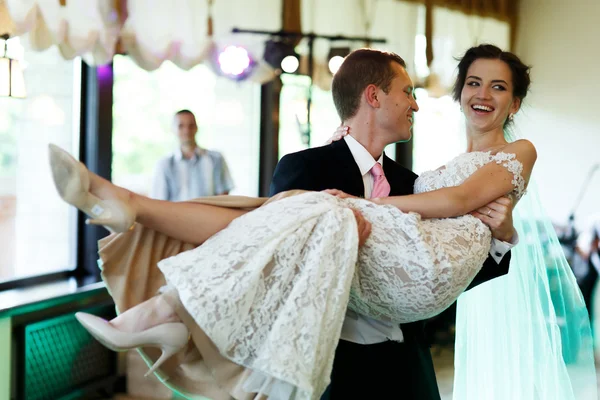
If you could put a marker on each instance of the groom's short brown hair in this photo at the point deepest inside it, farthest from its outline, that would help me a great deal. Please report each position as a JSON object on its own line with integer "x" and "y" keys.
{"x": 360, "y": 69}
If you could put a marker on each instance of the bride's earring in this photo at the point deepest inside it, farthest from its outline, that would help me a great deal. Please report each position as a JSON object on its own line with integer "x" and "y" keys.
{"x": 511, "y": 116}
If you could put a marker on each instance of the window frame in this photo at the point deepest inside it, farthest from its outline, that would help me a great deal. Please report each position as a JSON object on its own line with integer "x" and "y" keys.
{"x": 95, "y": 135}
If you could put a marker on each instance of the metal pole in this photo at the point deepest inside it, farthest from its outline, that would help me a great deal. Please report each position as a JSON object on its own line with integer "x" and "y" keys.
{"x": 311, "y": 71}
{"x": 283, "y": 33}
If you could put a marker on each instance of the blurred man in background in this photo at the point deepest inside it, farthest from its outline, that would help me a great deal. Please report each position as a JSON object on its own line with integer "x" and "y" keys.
{"x": 191, "y": 171}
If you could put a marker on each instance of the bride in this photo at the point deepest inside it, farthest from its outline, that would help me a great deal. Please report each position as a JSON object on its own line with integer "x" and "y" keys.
{"x": 268, "y": 287}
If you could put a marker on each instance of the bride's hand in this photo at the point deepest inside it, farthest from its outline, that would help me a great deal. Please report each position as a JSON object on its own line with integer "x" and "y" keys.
{"x": 498, "y": 216}
{"x": 339, "y": 133}
{"x": 339, "y": 193}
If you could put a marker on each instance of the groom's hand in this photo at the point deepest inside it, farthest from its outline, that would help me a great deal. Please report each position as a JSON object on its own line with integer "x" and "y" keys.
{"x": 498, "y": 216}
{"x": 363, "y": 226}
{"x": 339, "y": 193}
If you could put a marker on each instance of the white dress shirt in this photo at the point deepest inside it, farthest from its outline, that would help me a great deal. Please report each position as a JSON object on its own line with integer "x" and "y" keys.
{"x": 364, "y": 330}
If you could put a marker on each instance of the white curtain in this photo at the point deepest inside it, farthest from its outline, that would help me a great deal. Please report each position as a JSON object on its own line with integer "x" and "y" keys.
{"x": 397, "y": 22}
{"x": 156, "y": 31}
{"x": 87, "y": 28}
{"x": 151, "y": 32}
{"x": 392, "y": 20}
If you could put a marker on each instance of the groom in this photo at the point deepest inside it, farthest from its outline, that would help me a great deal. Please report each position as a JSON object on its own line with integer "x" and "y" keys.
{"x": 373, "y": 95}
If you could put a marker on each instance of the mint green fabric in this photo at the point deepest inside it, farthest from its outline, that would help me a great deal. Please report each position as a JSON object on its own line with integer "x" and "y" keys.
{"x": 526, "y": 335}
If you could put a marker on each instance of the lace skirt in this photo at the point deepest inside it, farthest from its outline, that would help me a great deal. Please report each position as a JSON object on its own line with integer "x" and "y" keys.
{"x": 271, "y": 290}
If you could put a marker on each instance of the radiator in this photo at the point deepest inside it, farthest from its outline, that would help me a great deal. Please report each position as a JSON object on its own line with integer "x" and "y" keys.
{"x": 57, "y": 357}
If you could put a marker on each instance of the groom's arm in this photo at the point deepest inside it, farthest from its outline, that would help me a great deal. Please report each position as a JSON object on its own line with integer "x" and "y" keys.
{"x": 292, "y": 172}
{"x": 491, "y": 269}
{"x": 497, "y": 215}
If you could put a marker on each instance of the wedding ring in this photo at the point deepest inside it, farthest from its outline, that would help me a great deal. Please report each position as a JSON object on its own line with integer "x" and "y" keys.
{"x": 489, "y": 212}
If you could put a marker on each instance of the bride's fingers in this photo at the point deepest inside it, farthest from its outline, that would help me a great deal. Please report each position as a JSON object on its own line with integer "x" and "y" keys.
{"x": 490, "y": 217}
{"x": 496, "y": 213}
{"x": 339, "y": 133}
{"x": 341, "y": 130}
{"x": 506, "y": 201}
{"x": 482, "y": 217}
{"x": 498, "y": 207}
{"x": 334, "y": 138}
{"x": 486, "y": 210}
{"x": 501, "y": 205}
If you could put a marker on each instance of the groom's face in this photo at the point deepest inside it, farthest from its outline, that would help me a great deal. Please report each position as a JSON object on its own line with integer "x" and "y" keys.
{"x": 395, "y": 114}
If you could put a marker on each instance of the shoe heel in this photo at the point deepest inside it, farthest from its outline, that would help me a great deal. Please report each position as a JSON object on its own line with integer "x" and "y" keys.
{"x": 167, "y": 352}
{"x": 170, "y": 337}
{"x": 180, "y": 337}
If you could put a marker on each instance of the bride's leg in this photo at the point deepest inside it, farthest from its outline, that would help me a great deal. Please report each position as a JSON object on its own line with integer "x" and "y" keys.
{"x": 116, "y": 208}
{"x": 158, "y": 310}
{"x": 186, "y": 221}
{"x": 153, "y": 323}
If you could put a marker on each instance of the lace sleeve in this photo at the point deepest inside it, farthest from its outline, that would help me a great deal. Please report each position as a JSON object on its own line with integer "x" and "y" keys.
{"x": 514, "y": 166}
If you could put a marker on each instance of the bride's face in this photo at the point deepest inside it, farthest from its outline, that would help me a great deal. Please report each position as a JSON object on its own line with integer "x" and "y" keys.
{"x": 487, "y": 96}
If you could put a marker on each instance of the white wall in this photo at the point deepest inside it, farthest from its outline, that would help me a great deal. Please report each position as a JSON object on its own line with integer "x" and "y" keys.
{"x": 562, "y": 112}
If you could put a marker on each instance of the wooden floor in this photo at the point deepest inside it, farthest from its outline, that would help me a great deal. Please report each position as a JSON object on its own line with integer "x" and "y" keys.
{"x": 443, "y": 361}
{"x": 444, "y": 368}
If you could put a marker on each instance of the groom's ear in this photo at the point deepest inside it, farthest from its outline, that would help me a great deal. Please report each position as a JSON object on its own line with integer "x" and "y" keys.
{"x": 371, "y": 92}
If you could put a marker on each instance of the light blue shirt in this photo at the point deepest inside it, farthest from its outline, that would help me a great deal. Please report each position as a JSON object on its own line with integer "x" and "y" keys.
{"x": 179, "y": 179}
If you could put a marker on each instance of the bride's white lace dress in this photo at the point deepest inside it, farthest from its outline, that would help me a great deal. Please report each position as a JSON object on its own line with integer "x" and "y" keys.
{"x": 272, "y": 289}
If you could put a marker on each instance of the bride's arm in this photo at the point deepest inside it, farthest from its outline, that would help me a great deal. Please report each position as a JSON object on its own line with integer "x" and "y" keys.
{"x": 485, "y": 185}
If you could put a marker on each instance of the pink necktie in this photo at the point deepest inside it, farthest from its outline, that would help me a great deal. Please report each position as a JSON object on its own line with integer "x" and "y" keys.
{"x": 381, "y": 187}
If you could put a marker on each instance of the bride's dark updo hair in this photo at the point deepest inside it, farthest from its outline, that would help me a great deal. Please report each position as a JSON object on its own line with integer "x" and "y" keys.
{"x": 520, "y": 71}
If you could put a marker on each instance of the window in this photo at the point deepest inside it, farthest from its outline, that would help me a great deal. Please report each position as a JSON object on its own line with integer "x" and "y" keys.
{"x": 293, "y": 111}
{"x": 438, "y": 134}
{"x": 37, "y": 229}
{"x": 227, "y": 114}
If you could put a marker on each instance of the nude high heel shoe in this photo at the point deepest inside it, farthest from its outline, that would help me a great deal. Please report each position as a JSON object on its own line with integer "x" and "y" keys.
{"x": 170, "y": 337}
{"x": 72, "y": 181}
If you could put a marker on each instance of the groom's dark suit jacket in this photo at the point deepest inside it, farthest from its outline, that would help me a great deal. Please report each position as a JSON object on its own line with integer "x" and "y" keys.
{"x": 413, "y": 376}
